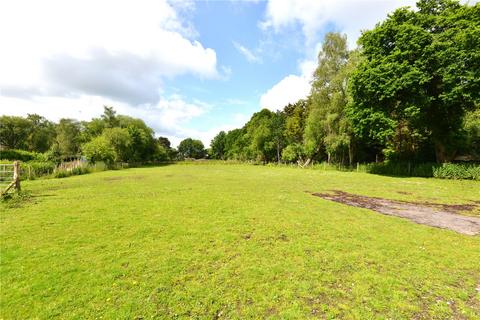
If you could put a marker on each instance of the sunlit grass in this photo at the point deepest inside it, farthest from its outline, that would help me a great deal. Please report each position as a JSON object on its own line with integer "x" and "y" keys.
{"x": 232, "y": 241}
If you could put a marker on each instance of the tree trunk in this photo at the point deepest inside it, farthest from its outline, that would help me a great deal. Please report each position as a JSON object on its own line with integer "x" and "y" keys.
{"x": 441, "y": 153}
{"x": 278, "y": 152}
{"x": 350, "y": 153}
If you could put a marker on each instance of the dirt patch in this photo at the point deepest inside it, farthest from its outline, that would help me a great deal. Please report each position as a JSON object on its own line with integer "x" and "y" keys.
{"x": 432, "y": 214}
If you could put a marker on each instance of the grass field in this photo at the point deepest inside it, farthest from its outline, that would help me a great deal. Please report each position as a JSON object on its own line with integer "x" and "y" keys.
{"x": 232, "y": 241}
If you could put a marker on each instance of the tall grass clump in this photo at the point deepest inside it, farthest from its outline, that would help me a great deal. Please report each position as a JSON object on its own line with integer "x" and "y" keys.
{"x": 35, "y": 169}
{"x": 78, "y": 170}
{"x": 457, "y": 171}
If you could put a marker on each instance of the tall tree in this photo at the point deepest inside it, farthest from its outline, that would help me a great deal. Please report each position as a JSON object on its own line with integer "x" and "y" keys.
{"x": 421, "y": 74}
{"x": 41, "y": 134}
{"x": 327, "y": 128}
{"x": 218, "y": 145}
{"x": 68, "y": 137}
{"x": 14, "y": 132}
{"x": 109, "y": 116}
{"x": 277, "y": 124}
{"x": 190, "y": 148}
{"x": 260, "y": 134}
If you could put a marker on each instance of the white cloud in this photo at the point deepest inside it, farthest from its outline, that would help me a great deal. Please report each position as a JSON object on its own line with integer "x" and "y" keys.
{"x": 348, "y": 16}
{"x": 290, "y": 89}
{"x": 247, "y": 53}
{"x": 117, "y": 49}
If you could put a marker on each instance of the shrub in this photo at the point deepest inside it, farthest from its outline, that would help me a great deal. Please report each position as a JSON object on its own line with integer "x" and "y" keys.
{"x": 22, "y": 155}
{"x": 402, "y": 169}
{"x": 73, "y": 172}
{"x": 457, "y": 171}
{"x": 99, "y": 149}
{"x": 35, "y": 169}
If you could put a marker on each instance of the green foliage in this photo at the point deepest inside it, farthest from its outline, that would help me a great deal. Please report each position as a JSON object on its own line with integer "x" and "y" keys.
{"x": 420, "y": 74}
{"x": 443, "y": 171}
{"x": 327, "y": 128}
{"x": 68, "y": 138}
{"x": 14, "y": 132}
{"x": 72, "y": 172}
{"x": 21, "y": 155}
{"x": 41, "y": 133}
{"x": 217, "y": 146}
{"x": 471, "y": 127}
{"x": 36, "y": 169}
{"x": 457, "y": 171}
{"x": 295, "y": 116}
{"x": 402, "y": 169}
{"x": 99, "y": 149}
{"x": 109, "y": 117}
{"x": 122, "y": 143}
{"x": 293, "y": 153}
{"x": 190, "y": 148}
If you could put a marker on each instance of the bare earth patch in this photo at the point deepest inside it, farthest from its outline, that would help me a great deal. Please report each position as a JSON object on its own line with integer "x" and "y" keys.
{"x": 432, "y": 214}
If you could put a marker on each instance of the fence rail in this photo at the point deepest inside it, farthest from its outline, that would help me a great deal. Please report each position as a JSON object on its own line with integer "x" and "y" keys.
{"x": 9, "y": 177}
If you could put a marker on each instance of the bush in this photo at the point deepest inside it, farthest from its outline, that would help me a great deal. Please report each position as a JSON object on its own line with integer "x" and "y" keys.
{"x": 404, "y": 169}
{"x": 21, "y": 155}
{"x": 35, "y": 169}
{"x": 99, "y": 149}
{"x": 73, "y": 172}
{"x": 457, "y": 171}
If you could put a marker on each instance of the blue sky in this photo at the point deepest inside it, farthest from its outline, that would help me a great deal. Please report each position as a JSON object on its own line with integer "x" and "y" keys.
{"x": 188, "y": 68}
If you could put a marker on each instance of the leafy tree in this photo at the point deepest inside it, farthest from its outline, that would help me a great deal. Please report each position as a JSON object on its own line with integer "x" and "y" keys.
{"x": 41, "y": 134}
{"x": 236, "y": 144}
{"x": 327, "y": 128}
{"x": 259, "y": 132}
{"x": 109, "y": 116}
{"x": 471, "y": 128}
{"x": 165, "y": 145}
{"x": 190, "y": 148}
{"x": 295, "y": 121}
{"x": 421, "y": 73}
{"x": 293, "y": 153}
{"x": 14, "y": 132}
{"x": 99, "y": 149}
{"x": 164, "y": 142}
{"x": 218, "y": 146}
{"x": 121, "y": 142}
{"x": 277, "y": 124}
{"x": 68, "y": 137}
{"x": 92, "y": 129}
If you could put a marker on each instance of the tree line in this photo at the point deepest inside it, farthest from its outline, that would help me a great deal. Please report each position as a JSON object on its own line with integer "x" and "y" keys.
{"x": 410, "y": 92}
{"x": 110, "y": 138}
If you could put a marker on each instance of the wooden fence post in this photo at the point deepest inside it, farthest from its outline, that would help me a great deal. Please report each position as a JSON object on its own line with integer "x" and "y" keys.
{"x": 16, "y": 175}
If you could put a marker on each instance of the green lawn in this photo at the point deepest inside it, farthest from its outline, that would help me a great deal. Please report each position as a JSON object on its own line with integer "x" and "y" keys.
{"x": 232, "y": 241}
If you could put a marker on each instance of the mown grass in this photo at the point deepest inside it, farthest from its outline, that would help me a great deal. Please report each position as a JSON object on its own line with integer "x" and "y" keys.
{"x": 237, "y": 241}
